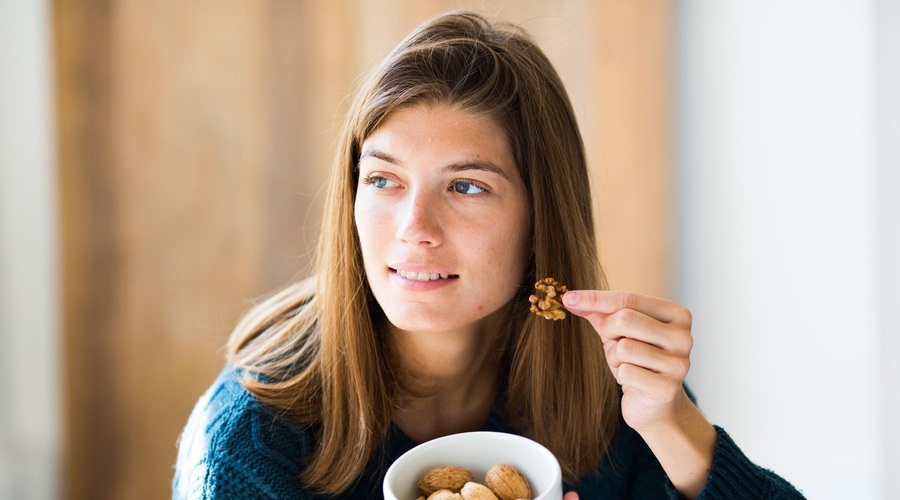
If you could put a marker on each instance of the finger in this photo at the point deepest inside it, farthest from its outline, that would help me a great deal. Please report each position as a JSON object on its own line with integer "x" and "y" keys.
{"x": 628, "y": 323}
{"x": 587, "y": 303}
{"x": 655, "y": 386}
{"x": 646, "y": 356}
{"x": 570, "y": 496}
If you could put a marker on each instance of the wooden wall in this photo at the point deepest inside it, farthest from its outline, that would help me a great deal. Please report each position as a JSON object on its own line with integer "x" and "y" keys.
{"x": 194, "y": 138}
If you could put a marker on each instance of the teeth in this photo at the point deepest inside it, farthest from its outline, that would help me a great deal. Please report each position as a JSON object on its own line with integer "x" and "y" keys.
{"x": 416, "y": 276}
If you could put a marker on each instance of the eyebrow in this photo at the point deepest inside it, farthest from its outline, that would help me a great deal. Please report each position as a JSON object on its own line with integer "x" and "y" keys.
{"x": 457, "y": 166}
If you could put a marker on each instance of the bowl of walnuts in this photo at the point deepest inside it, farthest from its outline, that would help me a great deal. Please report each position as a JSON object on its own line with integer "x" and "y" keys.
{"x": 475, "y": 466}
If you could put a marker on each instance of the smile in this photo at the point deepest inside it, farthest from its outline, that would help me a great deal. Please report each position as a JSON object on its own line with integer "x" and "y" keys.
{"x": 420, "y": 276}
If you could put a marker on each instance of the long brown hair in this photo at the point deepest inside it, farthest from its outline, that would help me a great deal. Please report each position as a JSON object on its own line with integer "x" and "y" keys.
{"x": 315, "y": 351}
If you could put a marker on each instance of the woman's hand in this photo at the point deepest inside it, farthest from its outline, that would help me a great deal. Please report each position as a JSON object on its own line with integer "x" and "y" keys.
{"x": 570, "y": 496}
{"x": 648, "y": 344}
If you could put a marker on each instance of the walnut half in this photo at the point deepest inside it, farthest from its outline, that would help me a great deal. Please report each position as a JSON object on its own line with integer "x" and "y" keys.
{"x": 546, "y": 302}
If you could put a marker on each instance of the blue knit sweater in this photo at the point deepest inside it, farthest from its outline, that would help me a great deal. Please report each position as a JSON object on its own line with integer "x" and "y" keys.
{"x": 233, "y": 447}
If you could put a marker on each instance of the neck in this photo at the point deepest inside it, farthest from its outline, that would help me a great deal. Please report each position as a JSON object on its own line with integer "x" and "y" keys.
{"x": 446, "y": 381}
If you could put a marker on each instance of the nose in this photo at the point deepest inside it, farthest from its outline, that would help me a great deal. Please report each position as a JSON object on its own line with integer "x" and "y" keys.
{"x": 419, "y": 222}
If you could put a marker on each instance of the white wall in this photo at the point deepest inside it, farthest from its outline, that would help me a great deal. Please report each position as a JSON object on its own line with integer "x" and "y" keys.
{"x": 29, "y": 322}
{"x": 778, "y": 121}
{"x": 887, "y": 100}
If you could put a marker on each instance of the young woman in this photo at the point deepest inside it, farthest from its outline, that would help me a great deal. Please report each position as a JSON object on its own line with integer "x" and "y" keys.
{"x": 460, "y": 180}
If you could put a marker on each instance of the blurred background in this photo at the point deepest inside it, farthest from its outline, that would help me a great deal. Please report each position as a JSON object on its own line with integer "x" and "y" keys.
{"x": 161, "y": 166}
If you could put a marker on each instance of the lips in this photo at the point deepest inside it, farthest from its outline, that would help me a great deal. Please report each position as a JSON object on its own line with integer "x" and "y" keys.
{"x": 415, "y": 276}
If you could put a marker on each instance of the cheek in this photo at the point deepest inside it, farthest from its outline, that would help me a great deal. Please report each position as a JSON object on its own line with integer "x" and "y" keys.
{"x": 366, "y": 229}
{"x": 508, "y": 241}
{"x": 375, "y": 230}
{"x": 504, "y": 249}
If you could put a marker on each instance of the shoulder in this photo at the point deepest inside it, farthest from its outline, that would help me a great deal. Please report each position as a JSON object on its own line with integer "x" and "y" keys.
{"x": 234, "y": 445}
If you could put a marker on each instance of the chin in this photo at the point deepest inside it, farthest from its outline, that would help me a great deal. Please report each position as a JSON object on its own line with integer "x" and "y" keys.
{"x": 421, "y": 321}
{"x": 418, "y": 325}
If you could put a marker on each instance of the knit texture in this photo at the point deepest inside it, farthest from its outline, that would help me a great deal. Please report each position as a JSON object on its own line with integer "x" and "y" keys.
{"x": 233, "y": 447}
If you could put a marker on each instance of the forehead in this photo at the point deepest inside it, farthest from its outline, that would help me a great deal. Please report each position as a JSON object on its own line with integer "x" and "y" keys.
{"x": 441, "y": 129}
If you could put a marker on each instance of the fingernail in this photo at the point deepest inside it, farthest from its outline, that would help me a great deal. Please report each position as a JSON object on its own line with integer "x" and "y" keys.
{"x": 570, "y": 298}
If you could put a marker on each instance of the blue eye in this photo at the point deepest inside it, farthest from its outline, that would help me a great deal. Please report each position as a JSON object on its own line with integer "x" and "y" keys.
{"x": 379, "y": 182}
{"x": 465, "y": 187}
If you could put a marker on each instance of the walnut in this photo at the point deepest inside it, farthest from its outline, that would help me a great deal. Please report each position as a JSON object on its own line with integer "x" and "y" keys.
{"x": 502, "y": 482}
{"x": 507, "y": 482}
{"x": 477, "y": 491}
{"x": 547, "y": 300}
{"x": 450, "y": 478}
{"x": 444, "y": 495}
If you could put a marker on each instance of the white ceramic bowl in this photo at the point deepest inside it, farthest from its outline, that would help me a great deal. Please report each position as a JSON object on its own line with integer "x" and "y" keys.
{"x": 477, "y": 452}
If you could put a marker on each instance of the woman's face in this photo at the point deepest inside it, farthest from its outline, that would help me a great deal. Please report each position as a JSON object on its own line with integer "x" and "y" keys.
{"x": 443, "y": 218}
